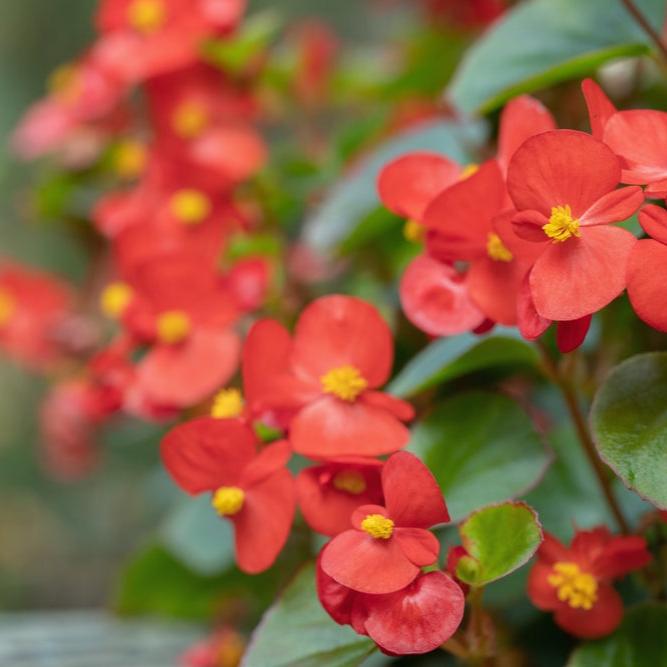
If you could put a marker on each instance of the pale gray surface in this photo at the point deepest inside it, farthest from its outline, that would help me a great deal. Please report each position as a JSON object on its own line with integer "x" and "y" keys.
{"x": 91, "y": 639}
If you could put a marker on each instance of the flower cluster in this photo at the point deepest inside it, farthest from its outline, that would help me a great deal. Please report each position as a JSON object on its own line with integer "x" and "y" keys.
{"x": 528, "y": 238}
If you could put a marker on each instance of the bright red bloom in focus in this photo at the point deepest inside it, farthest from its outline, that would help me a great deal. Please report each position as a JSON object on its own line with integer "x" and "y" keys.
{"x": 575, "y": 582}
{"x": 646, "y": 284}
{"x": 327, "y": 377}
{"x": 416, "y": 619}
{"x": 388, "y": 545}
{"x": 254, "y": 490}
{"x": 329, "y": 493}
{"x": 563, "y": 185}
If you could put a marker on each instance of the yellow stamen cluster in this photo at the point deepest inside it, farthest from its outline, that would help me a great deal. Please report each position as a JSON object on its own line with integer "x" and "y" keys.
{"x": 413, "y": 231}
{"x": 190, "y": 206}
{"x": 7, "y": 306}
{"x": 345, "y": 382}
{"x": 579, "y": 589}
{"x": 378, "y": 526}
{"x": 173, "y": 327}
{"x": 228, "y": 500}
{"x": 189, "y": 119}
{"x": 350, "y": 481}
{"x": 115, "y": 299}
{"x": 561, "y": 225}
{"x": 146, "y": 15}
{"x": 497, "y": 250}
{"x": 227, "y": 404}
{"x": 468, "y": 171}
{"x": 129, "y": 158}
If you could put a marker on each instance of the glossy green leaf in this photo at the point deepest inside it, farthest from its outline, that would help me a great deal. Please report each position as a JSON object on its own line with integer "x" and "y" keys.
{"x": 499, "y": 539}
{"x": 544, "y": 42}
{"x": 639, "y": 641}
{"x": 629, "y": 424}
{"x": 297, "y": 632}
{"x": 355, "y": 196}
{"x": 197, "y": 536}
{"x": 448, "y": 358}
{"x": 482, "y": 449}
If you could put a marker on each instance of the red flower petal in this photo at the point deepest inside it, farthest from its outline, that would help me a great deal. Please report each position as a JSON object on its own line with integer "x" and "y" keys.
{"x": 560, "y": 168}
{"x": 494, "y": 287}
{"x": 263, "y": 525}
{"x": 329, "y": 428}
{"x": 541, "y": 593}
{"x": 552, "y": 550}
{"x": 344, "y": 605}
{"x": 420, "y": 546}
{"x": 435, "y": 298}
{"x": 335, "y": 331}
{"x": 522, "y": 117}
{"x": 400, "y": 409}
{"x": 417, "y": 619}
{"x": 581, "y": 275}
{"x": 601, "y": 620}
{"x": 268, "y": 461}
{"x": 621, "y": 555}
{"x": 646, "y": 288}
{"x": 206, "y": 453}
{"x": 639, "y": 137}
{"x": 531, "y": 324}
{"x": 570, "y": 335}
{"x": 412, "y": 496}
{"x": 184, "y": 374}
{"x": 616, "y": 206}
{"x": 366, "y": 564}
{"x": 653, "y": 220}
{"x": 600, "y": 107}
{"x": 409, "y": 183}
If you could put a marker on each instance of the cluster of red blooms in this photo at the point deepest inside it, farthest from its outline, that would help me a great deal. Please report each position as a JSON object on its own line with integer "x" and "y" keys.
{"x": 528, "y": 239}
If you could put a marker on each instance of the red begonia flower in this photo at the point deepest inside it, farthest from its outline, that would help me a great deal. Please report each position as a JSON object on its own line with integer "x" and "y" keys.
{"x": 646, "y": 286}
{"x": 600, "y": 107}
{"x": 575, "y": 582}
{"x": 388, "y": 545}
{"x": 341, "y": 352}
{"x": 409, "y": 183}
{"x": 563, "y": 185}
{"x": 436, "y": 299}
{"x": 34, "y": 310}
{"x": 417, "y": 619}
{"x": 464, "y": 223}
{"x": 329, "y": 493}
{"x": 253, "y": 490}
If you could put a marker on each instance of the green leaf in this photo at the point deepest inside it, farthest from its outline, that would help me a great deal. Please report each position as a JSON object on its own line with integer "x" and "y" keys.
{"x": 197, "y": 536}
{"x": 499, "y": 540}
{"x": 297, "y": 632}
{"x": 543, "y": 42}
{"x": 482, "y": 449}
{"x": 355, "y": 196}
{"x": 639, "y": 641}
{"x": 448, "y": 358}
{"x": 629, "y": 424}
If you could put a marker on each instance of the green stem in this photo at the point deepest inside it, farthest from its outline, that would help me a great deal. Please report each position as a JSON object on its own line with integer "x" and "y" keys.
{"x": 579, "y": 421}
{"x": 641, "y": 20}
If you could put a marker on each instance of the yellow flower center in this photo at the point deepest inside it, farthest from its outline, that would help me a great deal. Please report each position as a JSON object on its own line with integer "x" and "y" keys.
{"x": 378, "y": 526}
{"x": 561, "y": 225}
{"x": 468, "y": 171}
{"x": 345, "y": 383}
{"x": 350, "y": 481}
{"x": 190, "y": 206}
{"x": 189, "y": 120}
{"x": 173, "y": 326}
{"x": 115, "y": 299}
{"x": 146, "y": 15}
{"x": 577, "y": 588}
{"x": 230, "y": 651}
{"x": 497, "y": 250}
{"x": 227, "y": 404}
{"x": 413, "y": 231}
{"x": 129, "y": 159}
{"x": 228, "y": 500}
{"x": 7, "y": 307}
